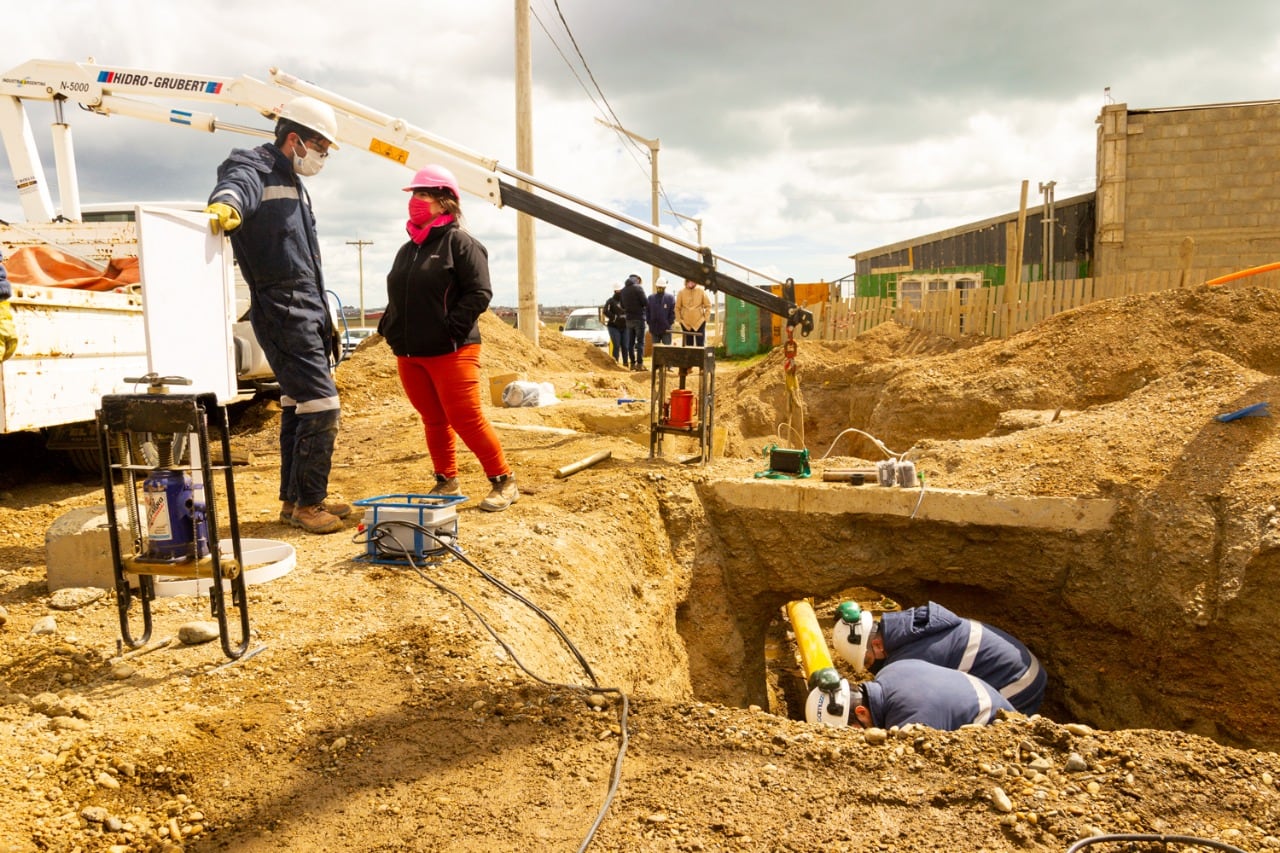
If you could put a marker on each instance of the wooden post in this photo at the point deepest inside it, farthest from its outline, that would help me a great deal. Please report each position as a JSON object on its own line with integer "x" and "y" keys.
{"x": 587, "y": 462}
{"x": 1186, "y": 254}
{"x": 1013, "y": 285}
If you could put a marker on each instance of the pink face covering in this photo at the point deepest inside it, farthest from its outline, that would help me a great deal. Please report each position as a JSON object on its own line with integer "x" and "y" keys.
{"x": 421, "y": 221}
{"x": 419, "y": 211}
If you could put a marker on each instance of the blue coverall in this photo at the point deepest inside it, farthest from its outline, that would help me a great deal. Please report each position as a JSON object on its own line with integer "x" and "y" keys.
{"x": 916, "y": 691}
{"x": 933, "y": 633}
{"x": 279, "y": 255}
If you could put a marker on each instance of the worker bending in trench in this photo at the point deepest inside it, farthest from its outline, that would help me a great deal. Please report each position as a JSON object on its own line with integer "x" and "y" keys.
{"x": 934, "y": 634}
{"x": 916, "y": 691}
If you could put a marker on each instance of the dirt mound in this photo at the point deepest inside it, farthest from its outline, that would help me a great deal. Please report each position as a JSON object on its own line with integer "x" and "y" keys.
{"x": 893, "y": 384}
{"x": 378, "y": 712}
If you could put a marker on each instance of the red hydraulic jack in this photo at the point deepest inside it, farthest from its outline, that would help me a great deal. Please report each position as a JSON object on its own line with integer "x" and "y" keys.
{"x": 683, "y": 411}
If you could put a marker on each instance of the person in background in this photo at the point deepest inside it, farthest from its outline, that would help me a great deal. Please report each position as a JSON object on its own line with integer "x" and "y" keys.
{"x": 693, "y": 307}
{"x": 916, "y": 691}
{"x": 635, "y": 306}
{"x": 8, "y": 329}
{"x": 660, "y": 314}
{"x": 933, "y": 633}
{"x": 615, "y": 320}
{"x": 260, "y": 201}
{"x": 437, "y": 289}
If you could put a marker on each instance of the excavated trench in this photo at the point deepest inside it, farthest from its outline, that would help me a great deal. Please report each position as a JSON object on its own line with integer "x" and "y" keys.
{"x": 1132, "y": 636}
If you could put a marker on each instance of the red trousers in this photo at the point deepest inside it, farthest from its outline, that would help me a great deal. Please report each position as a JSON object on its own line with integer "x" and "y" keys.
{"x": 445, "y": 389}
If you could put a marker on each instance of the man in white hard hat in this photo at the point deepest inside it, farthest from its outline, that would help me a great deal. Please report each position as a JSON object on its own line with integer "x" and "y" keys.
{"x": 933, "y": 633}
{"x": 260, "y": 201}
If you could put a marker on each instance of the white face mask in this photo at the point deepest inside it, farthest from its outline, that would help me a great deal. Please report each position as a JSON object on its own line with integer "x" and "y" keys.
{"x": 310, "y": 164}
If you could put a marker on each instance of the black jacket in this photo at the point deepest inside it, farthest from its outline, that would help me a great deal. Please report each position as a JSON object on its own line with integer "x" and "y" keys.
{"x": 633, "y": 302}
{"x": 436, "y": 293}
{"x": 614, "y": 315}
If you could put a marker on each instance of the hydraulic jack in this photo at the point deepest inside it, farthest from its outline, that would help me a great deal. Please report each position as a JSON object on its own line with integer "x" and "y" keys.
{"x": 170, "y": 507}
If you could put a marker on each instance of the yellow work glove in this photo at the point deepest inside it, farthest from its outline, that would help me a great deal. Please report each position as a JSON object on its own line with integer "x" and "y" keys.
{"x": 222, "y": 217}
{"x": 8, "y": 330}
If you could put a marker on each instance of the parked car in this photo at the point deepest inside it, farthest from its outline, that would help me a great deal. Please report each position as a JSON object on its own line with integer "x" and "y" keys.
{"x": 353, "y": 338}
{"x": 585, "y": 325}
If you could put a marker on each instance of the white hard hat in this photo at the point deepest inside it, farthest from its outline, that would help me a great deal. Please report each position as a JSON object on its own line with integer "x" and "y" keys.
{"x": 820, "y": 709}
{"x": 852, "y": 634}
{"x": 313, "y": 115}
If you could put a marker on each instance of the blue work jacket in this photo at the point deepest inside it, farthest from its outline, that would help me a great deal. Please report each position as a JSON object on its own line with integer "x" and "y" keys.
{"x": 933, "y": 633}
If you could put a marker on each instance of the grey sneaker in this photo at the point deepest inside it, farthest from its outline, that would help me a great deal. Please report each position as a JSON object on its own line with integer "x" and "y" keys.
{"x": 446, "y": 486}
{"x": 504, "y": 494}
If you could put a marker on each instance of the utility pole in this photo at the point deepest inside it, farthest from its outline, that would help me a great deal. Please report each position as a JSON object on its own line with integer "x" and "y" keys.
{"x": 526, "y": 253}
{"x": 1047, "y": 222}
{"x": 695, "y": 220}
{"x": 360, "y": 244}
{"x": 653, "y": 169}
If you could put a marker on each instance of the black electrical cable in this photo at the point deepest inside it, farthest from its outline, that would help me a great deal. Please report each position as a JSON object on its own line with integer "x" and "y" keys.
{"x": 381, "y": 531}
{"x": 1155, "y": 839}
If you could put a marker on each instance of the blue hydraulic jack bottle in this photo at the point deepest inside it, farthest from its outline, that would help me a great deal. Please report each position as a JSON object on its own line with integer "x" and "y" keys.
{"x": 175, "y": 516}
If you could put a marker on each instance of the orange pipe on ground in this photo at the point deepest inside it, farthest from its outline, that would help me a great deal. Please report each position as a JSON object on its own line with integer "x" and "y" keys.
{"x": 1232, "y": 276}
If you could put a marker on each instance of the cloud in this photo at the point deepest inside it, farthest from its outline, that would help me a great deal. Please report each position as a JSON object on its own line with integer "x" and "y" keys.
{"x": 798, "y": 134}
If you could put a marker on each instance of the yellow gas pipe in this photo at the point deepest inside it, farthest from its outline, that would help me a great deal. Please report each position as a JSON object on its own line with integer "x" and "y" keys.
{"x": 814, "y": 656}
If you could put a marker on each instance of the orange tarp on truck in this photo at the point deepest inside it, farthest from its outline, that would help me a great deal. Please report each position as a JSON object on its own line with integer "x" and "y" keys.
{"x": 49, "y": 267}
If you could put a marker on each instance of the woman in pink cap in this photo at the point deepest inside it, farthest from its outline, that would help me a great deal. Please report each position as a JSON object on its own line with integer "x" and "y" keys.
{"x": 437, "y": 289}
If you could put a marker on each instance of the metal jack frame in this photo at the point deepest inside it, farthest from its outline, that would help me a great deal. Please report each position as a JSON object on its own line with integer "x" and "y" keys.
{"x": 683, "y": 360}
{"x": 139, "y": 434}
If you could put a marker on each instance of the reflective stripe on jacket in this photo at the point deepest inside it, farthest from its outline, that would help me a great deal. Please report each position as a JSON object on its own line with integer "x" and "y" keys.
{"x": 933, "y": 633}
{"x": 916, "y": 691}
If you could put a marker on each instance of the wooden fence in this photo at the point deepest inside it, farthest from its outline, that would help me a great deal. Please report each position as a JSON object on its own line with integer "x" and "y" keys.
{"x": 991, "y": 312}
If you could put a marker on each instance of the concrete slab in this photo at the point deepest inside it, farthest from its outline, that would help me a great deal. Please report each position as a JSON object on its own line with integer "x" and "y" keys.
{"x": 77, "y": 550}
{"x": 939, "y": 505}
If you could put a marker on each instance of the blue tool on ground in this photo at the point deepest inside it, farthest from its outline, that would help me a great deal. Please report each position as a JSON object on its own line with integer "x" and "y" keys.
{"x": 1257, "y": 410}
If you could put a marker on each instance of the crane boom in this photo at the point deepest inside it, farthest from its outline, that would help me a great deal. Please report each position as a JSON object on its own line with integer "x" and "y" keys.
{"x": 111, "y": 90}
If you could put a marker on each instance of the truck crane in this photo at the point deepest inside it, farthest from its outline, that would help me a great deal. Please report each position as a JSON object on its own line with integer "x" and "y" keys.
{"x": 149, "y": 94}
{"x": 109, "y": 90}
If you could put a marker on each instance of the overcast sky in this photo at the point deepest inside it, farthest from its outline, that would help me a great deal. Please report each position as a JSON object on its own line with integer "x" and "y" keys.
{"x": 798, "y": 133}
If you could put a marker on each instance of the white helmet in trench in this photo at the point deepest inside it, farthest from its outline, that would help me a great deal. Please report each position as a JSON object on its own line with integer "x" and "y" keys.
{"x": 314, "y": 115}
{"x": 852, "y": 634}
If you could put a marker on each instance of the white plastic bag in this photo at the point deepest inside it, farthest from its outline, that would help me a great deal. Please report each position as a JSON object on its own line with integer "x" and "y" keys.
{"x": 520, "y": 394}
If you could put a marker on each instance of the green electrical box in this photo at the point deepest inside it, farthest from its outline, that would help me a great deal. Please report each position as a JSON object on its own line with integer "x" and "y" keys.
{"x": 741, "y": 328}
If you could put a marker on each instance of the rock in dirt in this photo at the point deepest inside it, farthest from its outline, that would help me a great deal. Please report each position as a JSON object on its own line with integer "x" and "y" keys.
{"x": 195, "y": 633}
{"x": 73, "y": 598}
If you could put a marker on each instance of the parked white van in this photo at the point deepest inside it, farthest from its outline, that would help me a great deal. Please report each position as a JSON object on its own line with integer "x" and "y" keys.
{"x": 585, "y": 325}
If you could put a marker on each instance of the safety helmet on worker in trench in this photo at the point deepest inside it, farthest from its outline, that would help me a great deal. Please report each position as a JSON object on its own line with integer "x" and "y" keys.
{"x": 830, "y": 708}
{"x": 434, "y": 176}
{"x": 852, "y": 634}
{"x": 314, "y": 115}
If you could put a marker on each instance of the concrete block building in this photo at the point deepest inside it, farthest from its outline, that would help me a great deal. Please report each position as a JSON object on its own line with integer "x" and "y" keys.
{"x": 1177, "y": 188}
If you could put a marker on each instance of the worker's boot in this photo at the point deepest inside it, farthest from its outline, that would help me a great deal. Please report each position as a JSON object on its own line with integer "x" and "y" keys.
{"x": 338, "y": 508}
{"x": 446, "y": 486}
{"x": 503, "y": 495}
{"x": 314, "y": 519}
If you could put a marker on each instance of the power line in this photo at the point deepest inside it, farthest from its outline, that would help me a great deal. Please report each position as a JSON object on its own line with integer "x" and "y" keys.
{"x": 632, "y": 146}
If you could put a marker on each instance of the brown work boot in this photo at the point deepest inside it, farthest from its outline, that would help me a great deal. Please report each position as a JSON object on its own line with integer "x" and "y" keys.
{"x": 504, "y": 494}
{"x": 314, "y": 519}
{"x": 338, "y": 508}
{"x": 446, "y": 486}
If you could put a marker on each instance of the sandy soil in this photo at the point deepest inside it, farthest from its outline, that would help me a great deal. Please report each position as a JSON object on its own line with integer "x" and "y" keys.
{"x": 377, "y": 711}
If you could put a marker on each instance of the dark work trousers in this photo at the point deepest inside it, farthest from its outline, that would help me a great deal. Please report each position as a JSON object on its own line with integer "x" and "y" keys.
{"x": 306, "y": 454}
{"x": 695, "y": 337}
{"x": 616, "y": 335}
{"x": 633, "y": 344}
{"x": 292, "y": 325}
